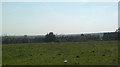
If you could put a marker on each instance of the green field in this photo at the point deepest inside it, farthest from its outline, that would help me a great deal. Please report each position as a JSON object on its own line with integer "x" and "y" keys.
{"x": 77, "y": 53}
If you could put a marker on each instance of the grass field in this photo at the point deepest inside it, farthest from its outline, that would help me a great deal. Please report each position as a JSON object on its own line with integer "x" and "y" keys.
{"x": 77, "y": 53}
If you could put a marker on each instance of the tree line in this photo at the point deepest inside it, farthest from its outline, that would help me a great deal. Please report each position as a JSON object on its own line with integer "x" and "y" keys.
{"x": 51, "y": 37}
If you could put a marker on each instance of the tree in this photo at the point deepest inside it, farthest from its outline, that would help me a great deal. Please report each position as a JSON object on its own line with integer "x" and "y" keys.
{"x": 25, "y": 39}
{"x": 82, "y": 34}
{"x": 50, "y": 37}
{"x": 118, "y": 30}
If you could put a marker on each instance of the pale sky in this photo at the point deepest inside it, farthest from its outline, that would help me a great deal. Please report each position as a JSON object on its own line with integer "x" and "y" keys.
{"x": 59, "y": 0}
{"x": 0, "y": 33}
{"x": 59, "y": 17}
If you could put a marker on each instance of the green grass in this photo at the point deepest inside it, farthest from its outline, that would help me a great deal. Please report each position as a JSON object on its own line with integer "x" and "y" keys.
{"x": 0, "y": 54}
{"x": 90, "y": 53}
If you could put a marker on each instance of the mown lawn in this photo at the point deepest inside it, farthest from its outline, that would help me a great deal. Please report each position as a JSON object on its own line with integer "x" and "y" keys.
{"x": 77, "y": 53}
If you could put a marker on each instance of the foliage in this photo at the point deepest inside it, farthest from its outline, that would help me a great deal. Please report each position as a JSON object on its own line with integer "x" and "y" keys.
{"x": 64, "y": 38}
{"x": 50, "y": 37}
{"x": 118, "y": 30}
{"x": 111, "y": 36}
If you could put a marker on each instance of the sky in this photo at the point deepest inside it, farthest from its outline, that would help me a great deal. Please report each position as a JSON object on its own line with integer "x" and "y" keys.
{"x": 59, "y": 0}
{"x": 0, "y": 18}
{"x": 31, "y": 18}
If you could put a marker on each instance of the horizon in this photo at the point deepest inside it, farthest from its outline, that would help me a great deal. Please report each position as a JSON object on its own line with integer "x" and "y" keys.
{"x": 53, "y": 33}
{"x": 32, "y": 18}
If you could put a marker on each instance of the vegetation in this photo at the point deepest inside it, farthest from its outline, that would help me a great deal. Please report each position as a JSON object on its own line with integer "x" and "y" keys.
{"x": 118, "y": 30}
{"x": 50, "y": 37}
{"x": 64, "y": 38}
{"x": 76, "y": 53}
{"x": 61, "y": 50}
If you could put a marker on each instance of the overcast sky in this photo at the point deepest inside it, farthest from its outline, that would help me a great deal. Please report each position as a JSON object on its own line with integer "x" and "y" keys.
{"x": 59, "y": 17}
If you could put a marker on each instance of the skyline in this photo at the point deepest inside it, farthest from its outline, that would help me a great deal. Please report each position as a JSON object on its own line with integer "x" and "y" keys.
{"x": 59, "y": 17}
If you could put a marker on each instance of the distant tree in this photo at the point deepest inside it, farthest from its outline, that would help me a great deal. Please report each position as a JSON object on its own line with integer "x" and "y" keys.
{"x": 82, "y": 34}
{"x": 118, "y": 30}
{"x": 25, "y": 39}
{"x": 110, "y": 36}
{"x": 25, "y": 35}
{"x": 38, "y": 39}
{"x": 50, "y": 37}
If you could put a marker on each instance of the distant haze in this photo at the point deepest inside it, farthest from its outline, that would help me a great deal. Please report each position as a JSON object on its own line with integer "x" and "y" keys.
{"x": 59, "y": 17}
